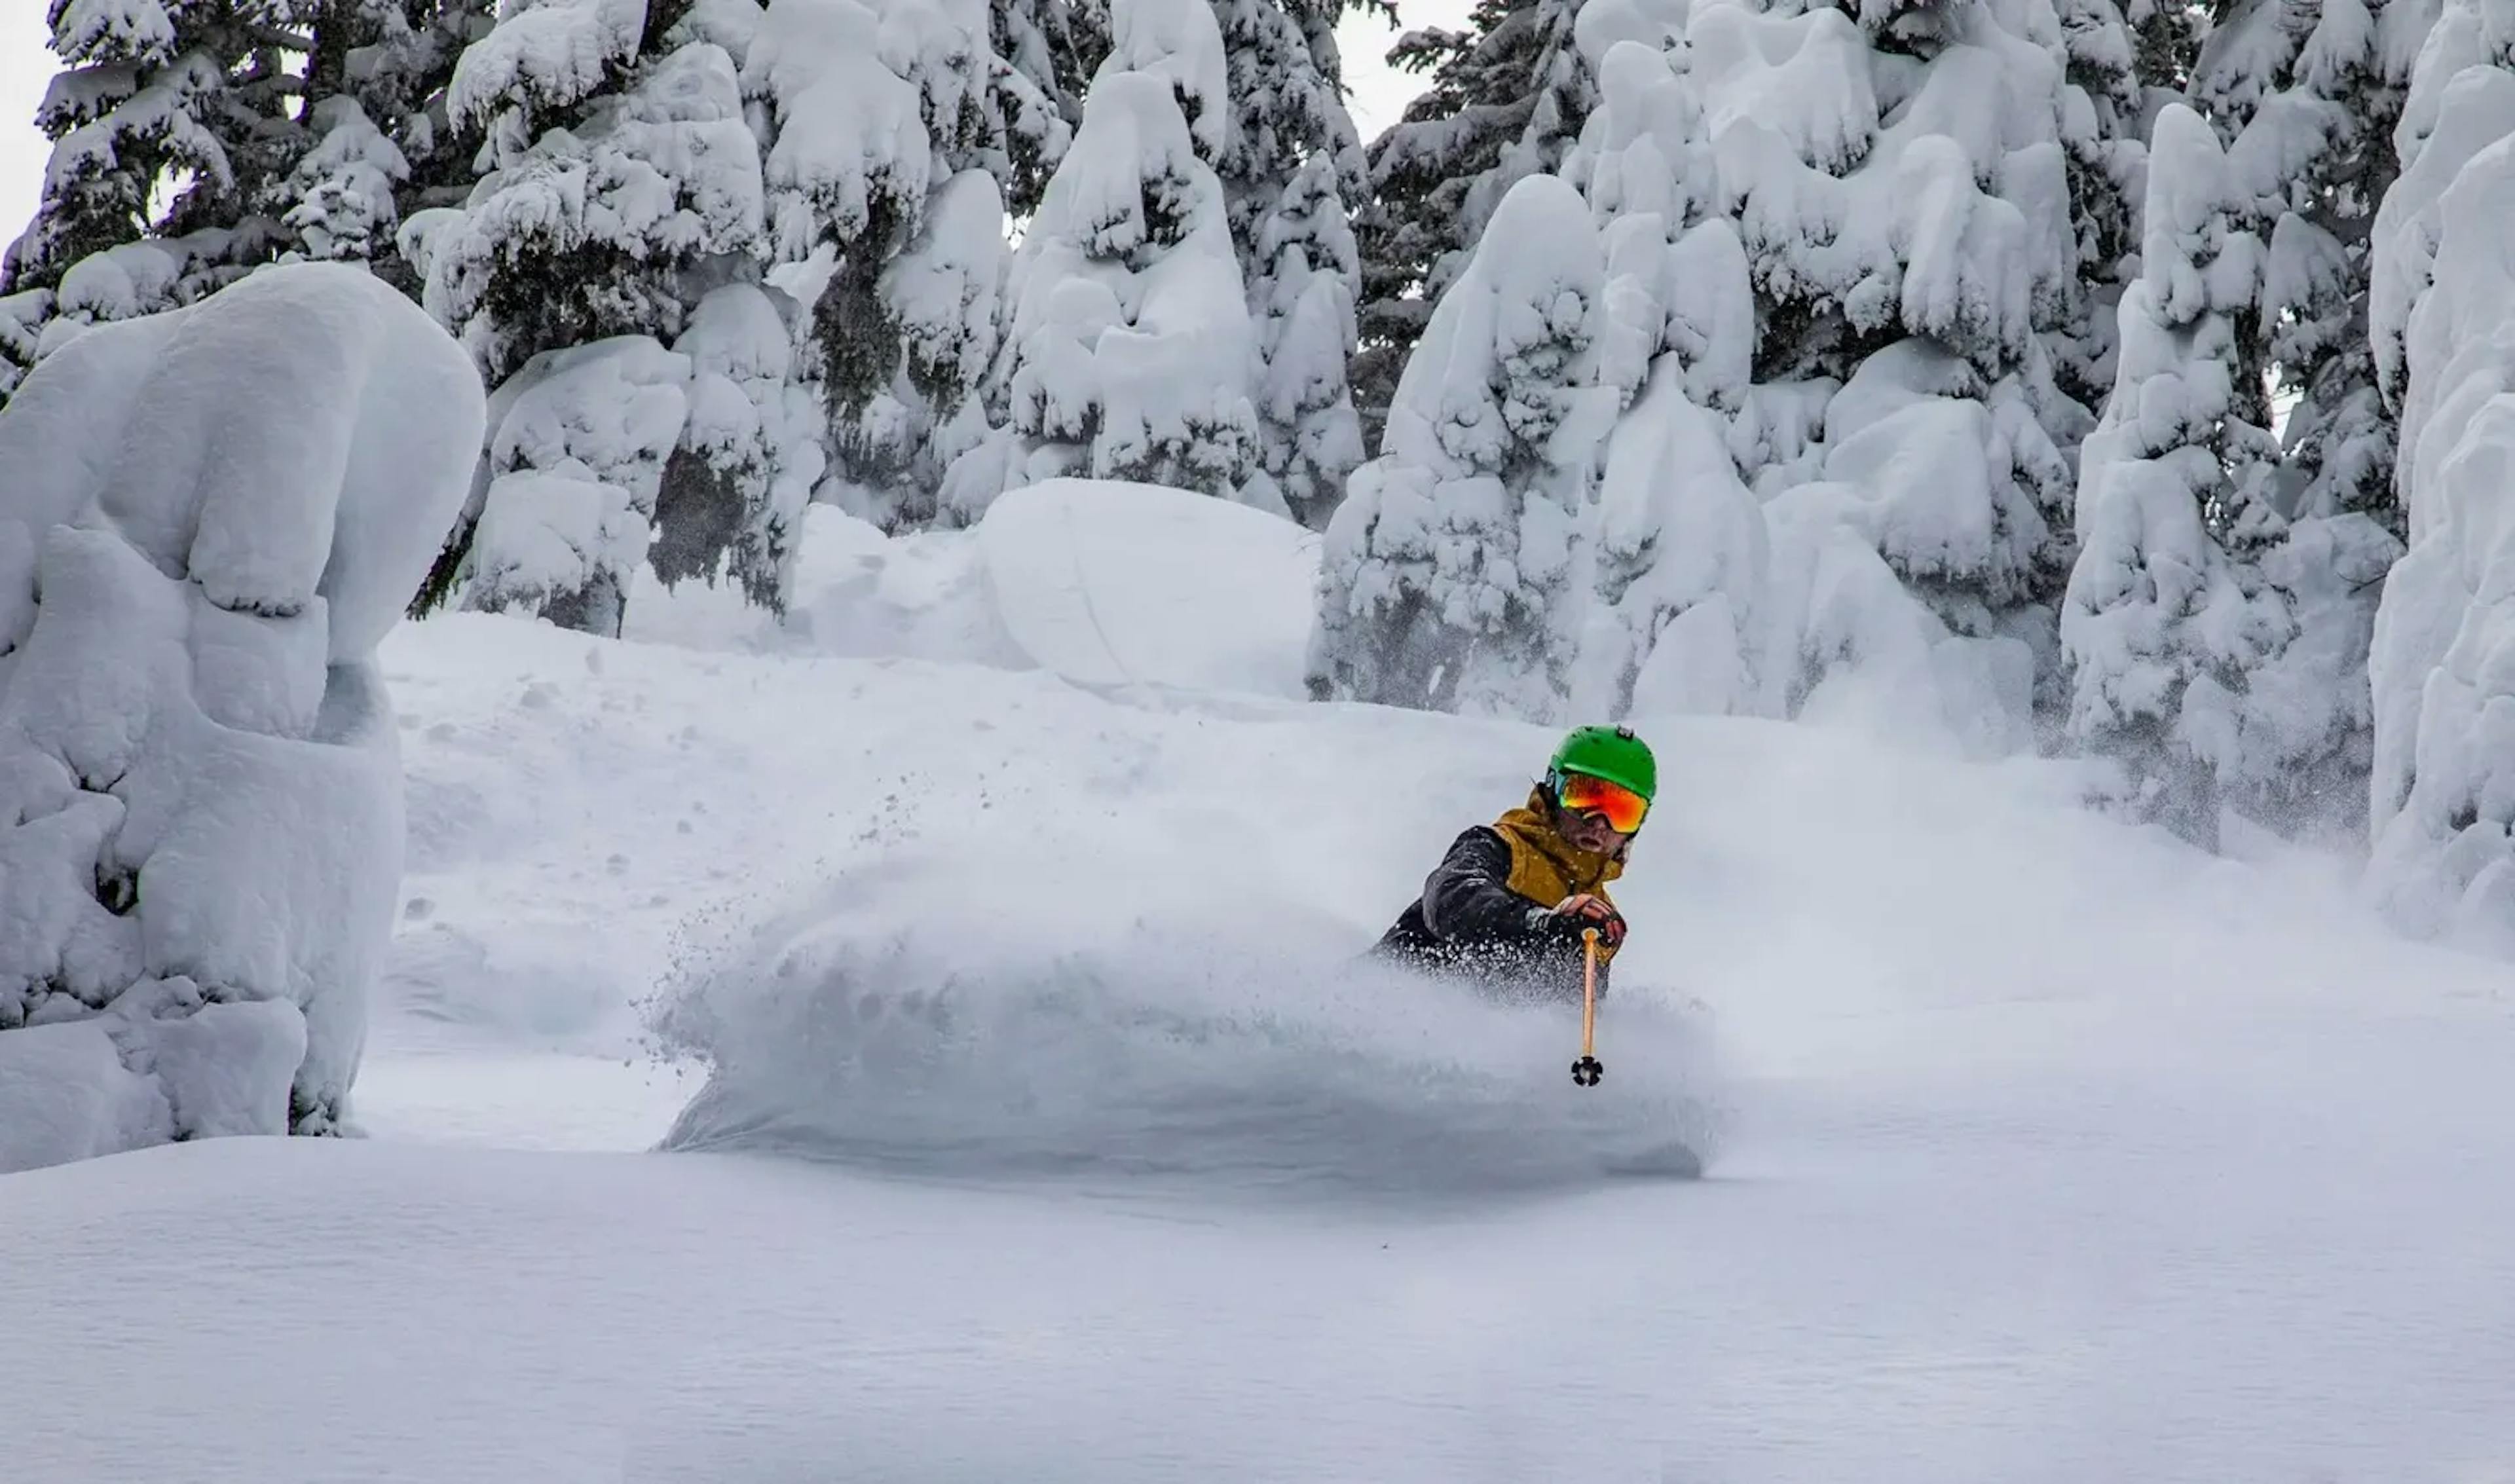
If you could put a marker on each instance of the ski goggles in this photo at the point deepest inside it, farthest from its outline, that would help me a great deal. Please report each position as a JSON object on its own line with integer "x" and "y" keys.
{"x": 1619, "y": 805}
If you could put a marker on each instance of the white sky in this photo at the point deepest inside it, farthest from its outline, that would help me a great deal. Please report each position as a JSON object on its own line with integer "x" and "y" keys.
{"x": 27, "y": 66}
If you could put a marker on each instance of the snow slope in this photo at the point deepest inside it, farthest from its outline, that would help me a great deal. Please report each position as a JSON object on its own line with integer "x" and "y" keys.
{"x": 2046, "y": 1150}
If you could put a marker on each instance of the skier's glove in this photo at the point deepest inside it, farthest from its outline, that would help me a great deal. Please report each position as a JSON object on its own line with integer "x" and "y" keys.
{"x": 1575, "y": 913}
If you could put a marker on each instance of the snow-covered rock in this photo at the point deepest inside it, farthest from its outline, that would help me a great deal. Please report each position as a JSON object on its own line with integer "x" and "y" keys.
{"x": 208, "y": 520}
{"x": 1107, "y": 583}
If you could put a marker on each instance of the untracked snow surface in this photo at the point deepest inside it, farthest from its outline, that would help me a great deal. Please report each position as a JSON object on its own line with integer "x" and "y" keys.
{"x": 1050, "y": 1131}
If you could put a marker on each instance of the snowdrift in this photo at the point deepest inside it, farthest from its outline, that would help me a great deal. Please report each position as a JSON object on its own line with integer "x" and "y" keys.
{"x": 209, "y": 518}
{"x": 1099, "y": 581}
{"x": 1107, "y": 583}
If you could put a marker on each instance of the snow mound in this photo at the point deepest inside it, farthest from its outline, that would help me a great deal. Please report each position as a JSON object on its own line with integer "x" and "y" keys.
{"x": 858, "y": 594}
{"x": 1091, "y": 579}
{"x": 1070, "y": 1036}
{"x": 209, "y": 518}
{"x": 1084, "y": 579}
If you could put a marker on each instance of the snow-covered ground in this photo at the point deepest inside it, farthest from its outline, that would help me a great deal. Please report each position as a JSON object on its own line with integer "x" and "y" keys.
{"x": 1072, "y": 1145}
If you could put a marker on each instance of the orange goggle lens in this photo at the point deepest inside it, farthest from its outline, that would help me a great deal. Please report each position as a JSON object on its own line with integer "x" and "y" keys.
{"x": 1622, "y": 808}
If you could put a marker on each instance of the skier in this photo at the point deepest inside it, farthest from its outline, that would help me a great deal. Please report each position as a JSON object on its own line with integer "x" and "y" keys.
{"x": 1506, "y": 907}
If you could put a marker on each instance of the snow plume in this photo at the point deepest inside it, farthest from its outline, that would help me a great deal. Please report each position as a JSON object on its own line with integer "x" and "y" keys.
{"x": 1132, "y": 355}
{"x": 1065, "y": 1038}
{"x": 208, "y": 520}
{"x": 2212, "y": 641}
{"x": 1455, "y": 570}
{"x": 2443, "y": 802}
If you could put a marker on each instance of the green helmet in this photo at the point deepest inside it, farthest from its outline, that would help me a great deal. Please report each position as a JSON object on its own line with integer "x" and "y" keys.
{"x": 1612, "y": 752}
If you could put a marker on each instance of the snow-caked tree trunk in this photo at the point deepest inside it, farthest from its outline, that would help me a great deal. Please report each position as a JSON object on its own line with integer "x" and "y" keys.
{"x": 1129, "y": 352}
{"x": 1455, "y": 572}
{"x": 2443, "y": 796}
{"x": 206, "y": 527}
{"x": 2214, "y": 644}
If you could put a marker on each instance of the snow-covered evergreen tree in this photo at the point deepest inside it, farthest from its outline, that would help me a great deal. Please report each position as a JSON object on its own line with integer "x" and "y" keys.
{"x": 1455, "y": 571}
{"x": 1506, "y": 100}
{"x": 1054, "y": 46}
{"x": 2105, "y": 118}
{"x": 1286, "y": 79}
{"x": 898, "y": 133}
{"x": 2307, "y": 96}
{"x": 196, "y": 142}
{"x": 1899, "y": 185}
{"x": 2165, "y": 39}
{"x": 2443, "y": 800}
{"x": 1301, "y": 299}
{"x": 159, "y": 96}
{"x": 169, "y": 118}
{"x": 1291, "y": 167}
{"x": 373, "y": 137}
{"x": 616, "y": 165}
{"x": 608, "y": 273}
{"x": 1130, "y": 350}
{"x": 1681, "y": 550}
{"x": 2215, "y": 643}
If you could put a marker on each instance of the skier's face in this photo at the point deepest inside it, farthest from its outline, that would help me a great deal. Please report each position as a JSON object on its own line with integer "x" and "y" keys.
{"x": 1588, "y": 831}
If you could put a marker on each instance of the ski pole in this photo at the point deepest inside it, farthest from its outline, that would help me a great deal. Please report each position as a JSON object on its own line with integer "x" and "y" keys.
{"x": 1586, "y": 1071}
